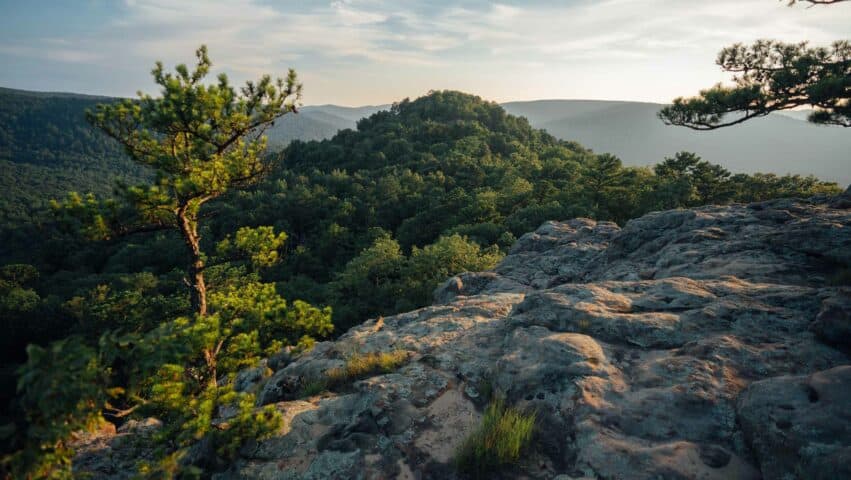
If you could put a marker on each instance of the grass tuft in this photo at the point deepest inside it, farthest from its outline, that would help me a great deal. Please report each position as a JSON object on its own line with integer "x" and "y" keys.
{"x": 358, "y": 366}
{"x": 497, "y": 442}
{"x": 311, "y": 388}
{"x": 363, "y": 365}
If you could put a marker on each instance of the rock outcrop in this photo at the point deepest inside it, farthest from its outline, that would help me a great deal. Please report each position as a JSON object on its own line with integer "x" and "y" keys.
{"x": 710, "y": 343}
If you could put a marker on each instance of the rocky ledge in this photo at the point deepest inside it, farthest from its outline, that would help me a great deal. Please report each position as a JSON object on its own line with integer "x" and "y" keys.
{"x": 710, "y": 343}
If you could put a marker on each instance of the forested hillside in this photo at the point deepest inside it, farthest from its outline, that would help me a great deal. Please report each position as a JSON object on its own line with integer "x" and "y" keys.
{"x": 47, "y": 149}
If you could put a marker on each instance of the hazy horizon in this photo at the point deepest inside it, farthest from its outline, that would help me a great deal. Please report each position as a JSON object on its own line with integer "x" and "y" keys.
{"x": 373, "y": 52}
{"x": 384, "y": 104}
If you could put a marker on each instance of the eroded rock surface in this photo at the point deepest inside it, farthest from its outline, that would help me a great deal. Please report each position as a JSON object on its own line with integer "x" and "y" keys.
{"x": 692, "y": 344}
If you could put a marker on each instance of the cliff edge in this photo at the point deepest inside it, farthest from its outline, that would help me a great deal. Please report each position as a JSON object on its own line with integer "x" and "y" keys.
{"x": 710, "y": 343}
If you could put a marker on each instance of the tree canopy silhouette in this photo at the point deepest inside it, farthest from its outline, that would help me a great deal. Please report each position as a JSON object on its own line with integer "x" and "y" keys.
{"x": 770, "y": 76}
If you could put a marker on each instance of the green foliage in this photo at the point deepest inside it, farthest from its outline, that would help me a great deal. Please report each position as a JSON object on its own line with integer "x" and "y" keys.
{"x": 46, "y": 150}
{"x": 196, "y": 136}
{"x": 130, "y": 303}
{"x": 763, "y": 186}
{"x": 432, "y": 264}
{"x": 690, "y": 181}
{"x": 55, "y": 403}
{"x": 771, "y": 76}
{"x": 181, "y": 372}
{"x": 255, "y": 322}
{"x": 382, "y": 279}
{"x": 84, "y": 214}
{"x": 191, "y": 417}
{"x": 25, "y": 315}
{"x": 370, "y": 282}
{"x": 260, "y": 245}
{"x": 497, "y": 442}
{"x": 15, "y": 298}
{"x": 200, "y": 141}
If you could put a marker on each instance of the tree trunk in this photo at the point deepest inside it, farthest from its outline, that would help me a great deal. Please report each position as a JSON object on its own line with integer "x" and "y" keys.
{"x": 198, "y": 295}
{"x": 198, "y": 289}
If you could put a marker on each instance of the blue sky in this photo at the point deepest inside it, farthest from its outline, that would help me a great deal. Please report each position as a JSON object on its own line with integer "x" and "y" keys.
{"x": 357, "y": 52}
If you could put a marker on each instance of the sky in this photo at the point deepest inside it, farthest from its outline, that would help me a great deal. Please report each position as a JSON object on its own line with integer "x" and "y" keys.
{"x": 372, "y": 52}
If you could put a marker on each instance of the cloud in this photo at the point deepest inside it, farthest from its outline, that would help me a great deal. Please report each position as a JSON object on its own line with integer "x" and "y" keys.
{"x": 64, "y": 55}
{"x": 380, "y": 43}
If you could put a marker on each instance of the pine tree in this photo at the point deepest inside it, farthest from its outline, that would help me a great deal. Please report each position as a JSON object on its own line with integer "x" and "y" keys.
{"x": 201, "y": 141}
{"x": 772, "y": 76}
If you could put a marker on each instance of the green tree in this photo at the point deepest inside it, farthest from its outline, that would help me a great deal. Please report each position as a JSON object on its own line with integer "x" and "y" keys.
{"x": 201, "y": 141}
{"x": 603, "y": 181}
{"x": 434, "y": 263}
{"x": 370, "y": 282}
{"x": 182, "y": 371}
{"x": 54, "y": 403}
{"x": 771, "y": 76}
{"x": 382, "y": 280}
{"x": 686, "y": 181}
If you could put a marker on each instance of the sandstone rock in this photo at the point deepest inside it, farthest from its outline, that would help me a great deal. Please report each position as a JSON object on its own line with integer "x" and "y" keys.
{"x": 833, "y": 323}
{"x": 800, "y": 426}
{"x": 115, "y": 453}
{"x": 538, "y": 362}
{"x": 843, "y": 200}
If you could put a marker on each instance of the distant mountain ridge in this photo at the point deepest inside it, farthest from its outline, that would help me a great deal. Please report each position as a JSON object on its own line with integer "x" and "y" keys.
{"x": 779, "y": 143}
{"x": 45, "y": 143}
{"x": 317, "y": 122}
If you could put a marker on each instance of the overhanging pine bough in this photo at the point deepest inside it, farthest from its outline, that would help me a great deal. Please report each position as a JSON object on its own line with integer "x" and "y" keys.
{"x": 772, "y": 76}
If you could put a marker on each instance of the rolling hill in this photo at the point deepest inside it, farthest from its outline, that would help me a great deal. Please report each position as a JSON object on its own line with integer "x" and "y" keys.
{"x": 779, "y": 143}
{"x": 317, "y": 123}
{"x": 47, "y": 148}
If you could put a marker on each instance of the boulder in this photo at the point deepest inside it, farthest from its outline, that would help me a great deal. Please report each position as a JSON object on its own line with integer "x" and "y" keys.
{"x": 800, "y": 426}
{"x": 833, "y": 323}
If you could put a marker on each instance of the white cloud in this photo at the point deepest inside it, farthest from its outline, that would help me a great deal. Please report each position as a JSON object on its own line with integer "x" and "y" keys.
{"x": 361, "y": 51}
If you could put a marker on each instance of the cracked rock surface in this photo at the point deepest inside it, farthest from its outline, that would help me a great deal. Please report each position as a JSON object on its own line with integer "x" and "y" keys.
{"x": 710, "y": 343}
